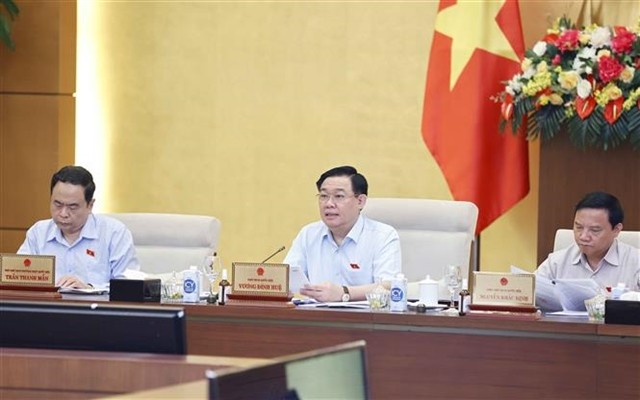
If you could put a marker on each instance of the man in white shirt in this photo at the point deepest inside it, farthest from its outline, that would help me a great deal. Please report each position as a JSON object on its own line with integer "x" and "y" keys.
{"x": 596, "y": 254}
{"x": 345, "y": 253}
{"x": 90, "y": 250}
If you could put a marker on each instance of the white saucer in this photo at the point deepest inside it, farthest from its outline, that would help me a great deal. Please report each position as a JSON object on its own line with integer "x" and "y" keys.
{"x": 428, "y": 307}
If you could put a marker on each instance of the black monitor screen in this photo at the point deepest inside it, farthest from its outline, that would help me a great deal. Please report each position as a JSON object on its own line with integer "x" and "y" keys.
{"x": 338, "y": 372}
{"x": 93, "y": 326}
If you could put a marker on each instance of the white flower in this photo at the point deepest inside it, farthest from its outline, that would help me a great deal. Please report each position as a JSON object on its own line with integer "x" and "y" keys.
{"x": 584, "y": 88}
{"x": 587, "y": 53}
{"x": 540, "y": 48}
{"x": 529, "y": 72}
{"x": 514, "y": 85}
{"x": 601, "y": 37}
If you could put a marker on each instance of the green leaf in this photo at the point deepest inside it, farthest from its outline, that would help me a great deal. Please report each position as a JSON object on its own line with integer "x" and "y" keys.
{"x": 5, "y": 32}
{"x": 11, "y": 8}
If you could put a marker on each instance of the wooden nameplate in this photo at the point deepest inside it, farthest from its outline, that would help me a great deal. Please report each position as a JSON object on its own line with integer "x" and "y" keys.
{"x": 260, "y": 301}
{"x": 28, "y": 292}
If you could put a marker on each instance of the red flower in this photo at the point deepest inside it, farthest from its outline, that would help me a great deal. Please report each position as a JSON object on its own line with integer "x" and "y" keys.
{"x": 556, "y": 60}
{"x": 550, "y": 38}
{"x": 609, "y": 69}
{"x": 568, "y": 40}
{"x": 507, "y": 107}
{"x": 622, "y": 42}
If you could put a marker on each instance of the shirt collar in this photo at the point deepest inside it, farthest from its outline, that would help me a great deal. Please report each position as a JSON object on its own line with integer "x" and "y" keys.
{"x": 612, "y": 257}
{"x": 89, "y": 231}
{"x": 354, "y": 233}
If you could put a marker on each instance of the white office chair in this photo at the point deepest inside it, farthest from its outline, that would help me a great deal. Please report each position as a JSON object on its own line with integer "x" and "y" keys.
{"x": 171, "y": 242}
{"x": 564, "y": 238}
{"x": 433, "y": 234}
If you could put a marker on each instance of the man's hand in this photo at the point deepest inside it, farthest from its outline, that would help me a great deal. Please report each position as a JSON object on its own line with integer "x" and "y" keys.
{"x": 73, "y": 282}
{"x": 323, "y": 292}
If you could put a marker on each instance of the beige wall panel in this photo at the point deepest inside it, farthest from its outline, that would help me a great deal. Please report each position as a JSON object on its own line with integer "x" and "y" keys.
{"x": 233, "y": 109}
{"x": 33, "y": 130}
{"x": 45, "y": 58}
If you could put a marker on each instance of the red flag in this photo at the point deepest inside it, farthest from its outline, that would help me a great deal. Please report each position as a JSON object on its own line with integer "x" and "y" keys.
{"x": 476, "y": 46}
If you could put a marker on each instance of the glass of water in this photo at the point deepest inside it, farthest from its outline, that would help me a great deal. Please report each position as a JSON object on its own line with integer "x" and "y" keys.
{"x": 453, "y": 280}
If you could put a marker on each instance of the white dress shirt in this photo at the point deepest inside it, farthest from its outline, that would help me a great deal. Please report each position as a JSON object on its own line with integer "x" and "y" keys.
{"x": 370, "y": 251}
{"x": 620, "y": 264}
{"x": 104, "y": 249}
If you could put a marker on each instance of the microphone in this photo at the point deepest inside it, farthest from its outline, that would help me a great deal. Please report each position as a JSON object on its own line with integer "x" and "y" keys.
{"x": 271, "y": 256}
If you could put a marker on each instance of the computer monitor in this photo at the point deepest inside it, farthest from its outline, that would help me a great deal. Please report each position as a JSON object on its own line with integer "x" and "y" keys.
{"x": 338, "y": 372}
{"x": 93, "y": 326}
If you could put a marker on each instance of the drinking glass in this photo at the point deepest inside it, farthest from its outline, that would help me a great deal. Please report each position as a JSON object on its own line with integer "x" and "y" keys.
{"x": 453, "y": 280}
{"x": 212, "y": 267}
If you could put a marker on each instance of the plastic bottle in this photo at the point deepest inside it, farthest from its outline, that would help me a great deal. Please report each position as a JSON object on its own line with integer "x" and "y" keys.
{"x": 617, "y": 291}
{"x": 191, "y": 279}
{"x": 465, "y": 298}
{"x": 224, "y": 284}
{"x": 398, "y": 294}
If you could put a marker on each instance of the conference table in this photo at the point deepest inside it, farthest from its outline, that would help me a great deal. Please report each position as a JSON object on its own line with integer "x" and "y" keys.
{"x": 438, "y": 355}
{"x": 434, "y": 354}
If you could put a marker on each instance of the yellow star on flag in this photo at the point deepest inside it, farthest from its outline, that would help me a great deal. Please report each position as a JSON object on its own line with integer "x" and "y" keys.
{"x": 472, "y": 25}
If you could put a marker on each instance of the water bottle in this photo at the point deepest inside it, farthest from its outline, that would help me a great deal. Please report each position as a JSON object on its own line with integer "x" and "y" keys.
{"x": 191, "y": 280}
{"x": 617, "y": 291}
{"x": 398, "y": 294}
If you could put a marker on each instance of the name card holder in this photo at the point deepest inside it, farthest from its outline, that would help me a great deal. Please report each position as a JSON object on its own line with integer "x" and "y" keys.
{"x": 25, "y": 276}
{"x": 260, "y": 284}
{"x": 509, "y": 295}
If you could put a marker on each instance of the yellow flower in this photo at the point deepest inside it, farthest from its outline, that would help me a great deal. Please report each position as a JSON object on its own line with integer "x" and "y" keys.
{"x": 584, "y": 38}
{"x": 568, "y": 79}
{"x": 608, "y": 93}
{"x": 542, "y": 66}
{"x": 632, "y": 100}
{"x": 603, "y": 53}
{"x": 627, "y": 74}
{"x": 539, "y": 82}
{"x": 543, "y": 100}
{"x": 556, "y": 99}
{"x": 526, "y": 63}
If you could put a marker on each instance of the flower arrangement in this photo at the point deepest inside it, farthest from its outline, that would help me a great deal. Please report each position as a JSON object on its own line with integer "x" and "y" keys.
{"x": 585, "y": 82}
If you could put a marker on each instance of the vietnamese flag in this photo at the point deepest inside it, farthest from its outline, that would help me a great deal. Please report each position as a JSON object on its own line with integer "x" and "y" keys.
{"x": 477, "y": 45}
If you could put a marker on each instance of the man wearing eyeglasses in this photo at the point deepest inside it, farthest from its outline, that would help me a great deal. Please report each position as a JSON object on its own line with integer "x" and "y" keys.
{"x": 345, "y": 253}
{"x": 90, "y": 249}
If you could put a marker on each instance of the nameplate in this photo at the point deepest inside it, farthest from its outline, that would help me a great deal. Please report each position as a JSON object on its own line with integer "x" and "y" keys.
{"x": 261, "y": 280}
{"x": 495, "y": 288}
{"x": 27, "y": 270}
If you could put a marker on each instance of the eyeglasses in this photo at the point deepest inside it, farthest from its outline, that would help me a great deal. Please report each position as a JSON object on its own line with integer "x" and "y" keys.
{"x": 335, "y": 198}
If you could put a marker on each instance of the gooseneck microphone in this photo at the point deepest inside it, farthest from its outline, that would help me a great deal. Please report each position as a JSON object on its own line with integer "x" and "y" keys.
{"x": 271, "y": 256}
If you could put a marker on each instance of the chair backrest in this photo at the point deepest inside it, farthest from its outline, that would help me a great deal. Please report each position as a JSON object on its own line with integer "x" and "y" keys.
{"x": 171, "y": 242}
{"x": 564, "y": 238}
{"x": 433, "y": 233}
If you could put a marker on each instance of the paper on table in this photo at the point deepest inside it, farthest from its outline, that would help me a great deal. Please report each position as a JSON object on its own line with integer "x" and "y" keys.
{"x": 546, "y": 296}
{"x": 573, "y": 292}
{"x": 338, "y": 304}
{"x": 90, "y": 291}
{"x": 578, "y": 314}
{"x": 517, "y": 270}
{"x": 297, "y": 279}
